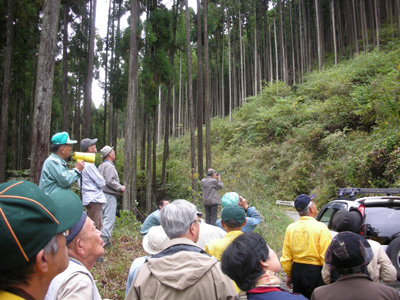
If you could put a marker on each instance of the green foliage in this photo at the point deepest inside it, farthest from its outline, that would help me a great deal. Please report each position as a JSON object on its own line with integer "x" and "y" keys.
{"x": 340, "y": 128}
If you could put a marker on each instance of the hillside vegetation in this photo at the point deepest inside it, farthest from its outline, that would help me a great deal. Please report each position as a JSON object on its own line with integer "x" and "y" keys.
{"x": 341, "y": 128}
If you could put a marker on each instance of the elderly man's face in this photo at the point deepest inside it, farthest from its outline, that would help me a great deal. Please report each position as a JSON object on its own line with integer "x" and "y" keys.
{"x": 92, "y": 240}
{"x": 65, "y": 151}
{"x": 92, "y": 149}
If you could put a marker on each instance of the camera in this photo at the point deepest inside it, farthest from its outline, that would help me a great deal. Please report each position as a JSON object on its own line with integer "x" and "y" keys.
{"x": 217, "y": 174}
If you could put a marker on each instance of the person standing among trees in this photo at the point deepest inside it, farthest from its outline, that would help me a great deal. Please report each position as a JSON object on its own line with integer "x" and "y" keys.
{"x": 211, "y": 199}
{"x": 112, "y": 190}
{"x": 55, "y": 174}
{"x": 91, "y": 185}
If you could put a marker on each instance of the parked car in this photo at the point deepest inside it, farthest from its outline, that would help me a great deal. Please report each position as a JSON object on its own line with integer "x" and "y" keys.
{"x": 382, "y": 216}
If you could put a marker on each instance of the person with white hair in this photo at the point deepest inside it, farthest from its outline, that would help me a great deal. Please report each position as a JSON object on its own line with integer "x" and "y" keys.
{"x": 182, "y": 270}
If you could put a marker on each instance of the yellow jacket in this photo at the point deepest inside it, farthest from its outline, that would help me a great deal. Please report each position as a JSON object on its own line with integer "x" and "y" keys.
{"x": 8, "y": 296}
{"x": 217, "y": 247}
{"x": 305, "y": 242}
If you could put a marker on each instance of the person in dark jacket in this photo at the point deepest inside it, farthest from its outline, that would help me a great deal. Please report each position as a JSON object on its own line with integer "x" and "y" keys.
{"x": 253, "y": 266}
{"x": 211, "y": 199}
{"x": 349, "y": 254}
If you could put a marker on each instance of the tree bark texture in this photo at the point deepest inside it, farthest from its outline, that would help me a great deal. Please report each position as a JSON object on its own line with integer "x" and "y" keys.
{"x": 44, "y": 87}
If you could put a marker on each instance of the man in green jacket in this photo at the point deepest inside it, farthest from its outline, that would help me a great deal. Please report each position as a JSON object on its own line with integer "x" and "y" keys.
{"x": 55, "y": 173}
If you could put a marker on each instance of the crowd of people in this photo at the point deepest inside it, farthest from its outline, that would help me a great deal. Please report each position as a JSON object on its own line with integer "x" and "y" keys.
{"x": 51, "y": 239}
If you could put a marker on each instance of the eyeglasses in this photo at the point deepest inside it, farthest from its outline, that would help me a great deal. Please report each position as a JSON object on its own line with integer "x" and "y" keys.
{"x": 197, "y": 220}
{"x": 66, "y": 233}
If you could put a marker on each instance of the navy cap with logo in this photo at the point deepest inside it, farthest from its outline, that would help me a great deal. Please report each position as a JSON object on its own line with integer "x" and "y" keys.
{"x": 302, "y": 201}
{"x": 348, "y": 253}
{"x": 29, "y": 219}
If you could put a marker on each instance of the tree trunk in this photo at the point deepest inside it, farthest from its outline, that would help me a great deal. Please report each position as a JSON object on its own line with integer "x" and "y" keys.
{"x": 334, "y": 30}
{"x": 255, "y": 48}
{"x": 241, "y": 61}
{"x": 44, "y": 87}
{"x": 200, "y": 82}
{"x": 283, "y": 48}
{"x": 6, "y": 90}
{"x": 65, "y": 102}
{"x": 319, "y": 42}
{"x": 190, "y": 101}
{"x": 89, "y": 75}
{"x": 154, "y": 158}
{"x": 302, "y": 52}
{"x": 207, "y": 104}
{"x": 292, "y": 42}
{"x": 377, "y": 25}
{"x": 128, "y": 202}
{"x": 148, "y": 168}
{"x": 230, "y": 71}
{"x": 106, "y": 75}
{"x": 168, "y": 107}
{"x": 357, "y": 48}
{"x": 276, "y": 53}
{"x": 180, "y": 107}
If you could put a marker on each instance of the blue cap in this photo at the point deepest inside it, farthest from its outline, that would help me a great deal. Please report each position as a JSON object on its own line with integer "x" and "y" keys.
{"x": 302, "y": 202}
{"x": 74, "y": 230}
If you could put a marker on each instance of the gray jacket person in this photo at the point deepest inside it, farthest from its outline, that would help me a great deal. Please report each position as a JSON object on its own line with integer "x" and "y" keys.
{"x": 211, "y": 199}
{"x": 112, "y": 189}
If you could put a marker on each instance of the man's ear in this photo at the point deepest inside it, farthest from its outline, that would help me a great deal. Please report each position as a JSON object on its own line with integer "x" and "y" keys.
{"x": 223, "y": 225}
{"x": 41, "y": 264}
{"x": 79, "y": 246}
{"x": 244, "y": 223}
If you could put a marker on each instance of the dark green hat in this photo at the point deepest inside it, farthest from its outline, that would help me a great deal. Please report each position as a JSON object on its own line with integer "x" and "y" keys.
{"x": 29, "y": 219}
{"x": 233, "y": 212}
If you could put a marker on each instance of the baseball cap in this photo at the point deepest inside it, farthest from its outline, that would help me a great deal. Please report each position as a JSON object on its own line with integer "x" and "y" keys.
{"x": 233, "y": 212}
{"x": 155, "y": 240}
{"x": 345, "y": 220}
{"x": 348, "y": 253}
{"x": 74, "y": 230}
{"x": 229, "y": 198}
{"x": 86, "y": 143}
{"x": 105, "y": 150}
{"x": 29, "y": 219}
{"x": 62, "y": 138}
{"x": 302, "y": 201}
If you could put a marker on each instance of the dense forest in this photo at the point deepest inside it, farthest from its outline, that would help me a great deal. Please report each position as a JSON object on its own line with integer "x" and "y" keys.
{"x": 169, "y": 73}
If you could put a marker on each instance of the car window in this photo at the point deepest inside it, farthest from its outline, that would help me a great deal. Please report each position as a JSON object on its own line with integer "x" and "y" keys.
{"x": 326, "y": 216}
{"x": 382, "y": 221}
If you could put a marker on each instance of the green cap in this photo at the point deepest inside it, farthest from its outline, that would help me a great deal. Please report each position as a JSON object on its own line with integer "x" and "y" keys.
{"x": 29, "y": 219}
{"x": 62, "y": 138}
{"x": 233, "y": 212}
